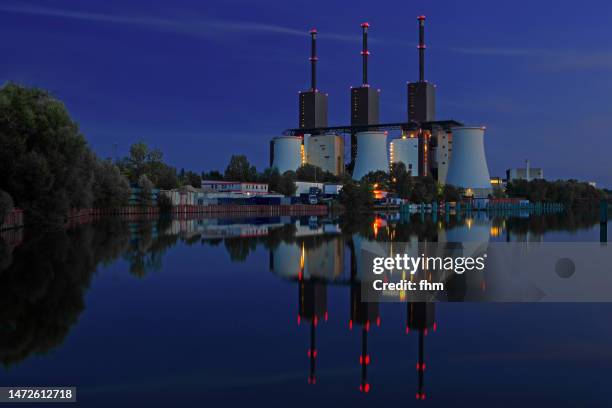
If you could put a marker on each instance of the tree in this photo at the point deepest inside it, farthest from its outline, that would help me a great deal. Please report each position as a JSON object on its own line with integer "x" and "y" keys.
{"x": 190, "y": 178}
{"x": 239, "y": 169}
{"x": 45, "y": 162}
{"x": 424, "y": 191}
{"x": 401, "y": 180}
{"x": 6, "y": 205}
{"x": 145, "y": 190}
{"x": 272, "y": 177}
{"x": 166, "y": 178}
{"x": 309, "y": 172}
{"x": 213, "y": 175}
{"x": 111, "y": 189}
{"x": 356, "y": 198}
{"x": 286, "y": 185}
{"x": 452, "y": 193}
{"x": 378, "y": 178}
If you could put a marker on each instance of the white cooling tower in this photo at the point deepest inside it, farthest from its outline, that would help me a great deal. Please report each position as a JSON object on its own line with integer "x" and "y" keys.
{"x": 371, "y": 153}
{"x": 287, "y": 153}
{"x": 468, "y": 165}
{"x": 406, "y": 150}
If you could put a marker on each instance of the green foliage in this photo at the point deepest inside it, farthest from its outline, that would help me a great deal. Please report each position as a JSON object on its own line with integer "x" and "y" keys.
{"x": 568, "y": 192}
{"x": 111, "y": 189}
{"x": 6, "y": 205}
{"x": 271, "y": 176}
{"x": 452, "y": 193}
{"x": 379, "y": 178}
{"x": 401, "y": 180}
{"x": 45, "y": 162}
{"x": 286, "y": 185}
{"x": 309, "y": 172}
{"x": 356, "y": 198}
{"x": 239, "y": 169}
{"x": 164, "y": 203}
{"x": 145, "y": 190}
{"x": 425, "y": 190}
{"x": 190, "y": 178}
{"x": 144, "y": 161}
{"x": 213, "y": 175}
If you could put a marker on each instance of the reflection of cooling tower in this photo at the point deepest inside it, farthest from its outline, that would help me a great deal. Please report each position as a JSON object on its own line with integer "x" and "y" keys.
{"x": 287, "y": 260}
{"x": 406, "y": 151}
{"x": 468, "y": 165}
{"x": 287, "y": 153}
{"x": 371, "y": 153}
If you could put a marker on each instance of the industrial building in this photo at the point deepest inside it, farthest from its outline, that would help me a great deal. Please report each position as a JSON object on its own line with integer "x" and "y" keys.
{"x": 364, "y": 99}
{"x": 287, "y": 153}
{"x": 425, "y": 144}
{"x": 405, "y": 150}
{"x": 371, "y": 154}
{"x": 526, "y": 173}
{"x": 326, "y": 152}
{"x": 242, "y": 187}
{"x": 313, "y": 103}
{"x": 468, "y": 168}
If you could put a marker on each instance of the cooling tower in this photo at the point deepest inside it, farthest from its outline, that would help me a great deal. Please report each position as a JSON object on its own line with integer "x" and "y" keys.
{"x": 468, "y": 165}
{"x": 406, "y": 150}
{"x": 371, "y": 153}
{"x": 287, "y": 153}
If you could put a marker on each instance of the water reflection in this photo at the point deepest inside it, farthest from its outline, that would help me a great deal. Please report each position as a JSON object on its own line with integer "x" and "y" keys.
{"x": 44, "y": 277}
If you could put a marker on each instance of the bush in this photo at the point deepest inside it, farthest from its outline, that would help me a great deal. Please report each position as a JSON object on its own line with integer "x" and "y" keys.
{"x": 6, "y": 205}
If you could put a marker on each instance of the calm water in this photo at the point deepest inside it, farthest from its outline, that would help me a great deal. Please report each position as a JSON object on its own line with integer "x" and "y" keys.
{"x": 224, "y": 312}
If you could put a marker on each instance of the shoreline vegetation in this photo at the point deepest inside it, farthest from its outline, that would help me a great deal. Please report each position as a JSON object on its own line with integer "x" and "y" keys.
{"x": 48, "y": 171}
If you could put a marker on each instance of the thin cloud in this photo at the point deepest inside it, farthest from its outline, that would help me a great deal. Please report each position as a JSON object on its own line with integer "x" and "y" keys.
{"x": 550, "y": 59}
{"x": 203, "y": 27}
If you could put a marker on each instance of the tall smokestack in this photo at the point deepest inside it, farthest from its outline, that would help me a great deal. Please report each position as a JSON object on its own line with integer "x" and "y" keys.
{"x": 313, "y": 60}
{"x": 365, "y": 52}
{"x": 421, "y": 48}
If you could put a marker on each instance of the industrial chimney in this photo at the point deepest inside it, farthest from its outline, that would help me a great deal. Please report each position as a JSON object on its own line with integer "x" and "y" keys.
{"x": 421, "y": 47}
{"x": 313, "y": 60}
{"x": 421, "y": 94}
{"x": 364, "y": 100}
{"x": 313, "y": 103}
{"x": 364, "y": 52}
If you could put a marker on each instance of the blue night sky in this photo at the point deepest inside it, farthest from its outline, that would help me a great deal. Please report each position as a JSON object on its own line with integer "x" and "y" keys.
{"x": 203, "y": 80}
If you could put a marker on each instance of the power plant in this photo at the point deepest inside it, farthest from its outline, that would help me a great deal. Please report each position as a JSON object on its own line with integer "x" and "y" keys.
{"x": 442, "y": 149}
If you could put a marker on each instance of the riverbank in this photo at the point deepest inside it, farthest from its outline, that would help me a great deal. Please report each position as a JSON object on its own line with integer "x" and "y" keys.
{"x": 16, "y": 220}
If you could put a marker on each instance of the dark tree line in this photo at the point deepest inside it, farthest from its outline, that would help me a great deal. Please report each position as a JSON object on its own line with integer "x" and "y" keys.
{"x": 568, "y": 192}
{"x": 46, "y": 166}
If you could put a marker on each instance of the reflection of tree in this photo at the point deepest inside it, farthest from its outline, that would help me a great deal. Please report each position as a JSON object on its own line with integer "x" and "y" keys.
{"x": 239, "y": 248}
{"x": 566, "y": 221}
{"x": 42, "y": 290}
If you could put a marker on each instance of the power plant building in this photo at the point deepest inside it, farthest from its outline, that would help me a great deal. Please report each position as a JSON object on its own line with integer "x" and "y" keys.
{"x": 326, "y": 152}
{"x": 364, "y": 99}
{"x": 287, "y": 153}
{"x": 468, "y": 168}
{"x": 421, "y": 94}
{"x": 405, "y": 150}
{"x": 444, "y": 148}
{"x": 371, "y": 154}
{"x": 313, "y": 103}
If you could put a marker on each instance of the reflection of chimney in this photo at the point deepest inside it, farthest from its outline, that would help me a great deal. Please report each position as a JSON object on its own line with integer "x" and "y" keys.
{"x": 312, "y": 307}
{"x": 364, "y": 359}
{"x": 365, "y": 53}
{"x": 313, "y": 60}
{"x": 421, "y": 317}
{"x": 312, "y": 352}
{"x": 421, "y": 47}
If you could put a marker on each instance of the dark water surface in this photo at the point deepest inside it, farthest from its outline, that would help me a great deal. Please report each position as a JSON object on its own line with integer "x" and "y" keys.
{"x": 224, "y": 313}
